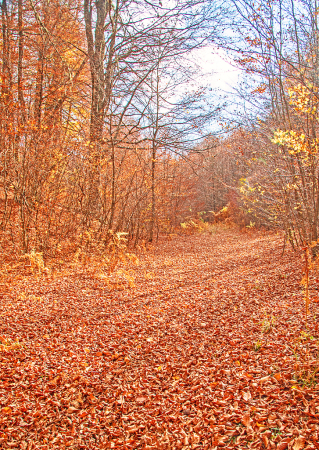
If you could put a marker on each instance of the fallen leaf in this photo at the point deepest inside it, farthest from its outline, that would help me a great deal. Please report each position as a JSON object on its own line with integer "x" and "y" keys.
{"x": 283, "y": 445}
{"x": 197, "y": 379}
{"x": 264, "y": 379}
{"x": 6, "y": 410}
{"x": 246, "y": 419}
{"x": 265, "y": 440}
{"x": 141, "y": 399}
{"x": 299, "y": 443}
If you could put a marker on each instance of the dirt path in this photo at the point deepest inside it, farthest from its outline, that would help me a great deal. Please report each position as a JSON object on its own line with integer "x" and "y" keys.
{"x": 200, "y": 354}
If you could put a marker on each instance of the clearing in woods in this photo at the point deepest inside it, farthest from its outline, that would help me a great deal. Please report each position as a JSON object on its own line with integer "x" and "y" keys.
{"x": 208, "y": 350}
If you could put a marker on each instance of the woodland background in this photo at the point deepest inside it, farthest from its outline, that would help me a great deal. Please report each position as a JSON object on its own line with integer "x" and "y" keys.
{"x": 103, "y": 129}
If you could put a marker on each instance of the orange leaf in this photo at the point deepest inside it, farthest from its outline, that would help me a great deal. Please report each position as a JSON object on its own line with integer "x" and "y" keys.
{"x": 7, "y": 410}
{"x": 264, "y": 379}
{"x": 282, "y": 445}
{"x": 247, "y": 396}
{"x": 265, "y": 440}
{"x": 72, "y": 410}
{"x": 299, "y": 443}
{"x": 246, "y": 419}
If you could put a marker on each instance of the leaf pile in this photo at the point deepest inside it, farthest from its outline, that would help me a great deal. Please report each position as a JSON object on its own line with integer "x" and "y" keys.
{"x": 209, "y": 350}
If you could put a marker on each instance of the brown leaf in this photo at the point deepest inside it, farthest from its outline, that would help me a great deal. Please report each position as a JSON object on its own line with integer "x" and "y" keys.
{"x": 183, "y": 368}
{"x": 195, "y": 438}
{"x": 55, "y": 380}
{"x": 265, "y": 440}
{"x": 282, "y": 445}
{"x": 92, "y": 399}
{"x": 299, "y": 443}
{"x": 246, "y": 419}
{"x": 72, "y": 410}
{"x": 235, "y": 405}
{"x": 76, "y": 404}
{"x": 264, "y": 379}
{"x": 247, "y": 396}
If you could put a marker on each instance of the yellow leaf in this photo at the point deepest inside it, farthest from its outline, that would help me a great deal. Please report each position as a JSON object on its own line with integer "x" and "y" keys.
{"x": 7, "y": 410}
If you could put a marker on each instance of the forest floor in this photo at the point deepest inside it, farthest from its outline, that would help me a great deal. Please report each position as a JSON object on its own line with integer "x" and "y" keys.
{"x": 209, "y": 350}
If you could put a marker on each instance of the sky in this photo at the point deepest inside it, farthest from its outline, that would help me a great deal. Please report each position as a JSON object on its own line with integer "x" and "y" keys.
{"x": 217, "y": 71}
{"x": 216, "y": 67}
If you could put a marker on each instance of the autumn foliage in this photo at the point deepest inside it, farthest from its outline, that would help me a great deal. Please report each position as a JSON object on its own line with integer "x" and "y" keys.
{"x": 209, "y": 349}
{"x": 148, "y": 297}
{"x": 59, "y": 183}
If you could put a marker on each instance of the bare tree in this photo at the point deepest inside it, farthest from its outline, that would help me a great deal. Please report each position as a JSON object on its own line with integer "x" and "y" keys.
{"x": 277, "y": 46}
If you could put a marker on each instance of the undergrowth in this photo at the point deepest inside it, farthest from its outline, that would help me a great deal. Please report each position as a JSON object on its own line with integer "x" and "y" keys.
{"x": 306, "y": 347}
{"x": 198, "y": 225}
{"x": 306, "y": 354}
{"x": 109, "y": 261}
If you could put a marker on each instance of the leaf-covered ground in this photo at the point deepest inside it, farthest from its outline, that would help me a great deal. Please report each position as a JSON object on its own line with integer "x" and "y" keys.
{"x": 209, "y": 350}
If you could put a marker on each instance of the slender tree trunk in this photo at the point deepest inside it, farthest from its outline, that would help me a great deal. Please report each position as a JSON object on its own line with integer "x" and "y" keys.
{"x": 20, "y": 63}
{"x": 96, "y": 53}
{"x": 101, "y": 67}
{"x": 39, "y": 89}
{"x": 154, "y": 156}
{"x": 113, "y": 194}
{"x": 4, "y": 103}
{"x": 152, "y": 223}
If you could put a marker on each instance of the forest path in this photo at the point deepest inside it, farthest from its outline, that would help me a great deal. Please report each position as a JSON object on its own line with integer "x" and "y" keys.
{"x": 200, "y": 354}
